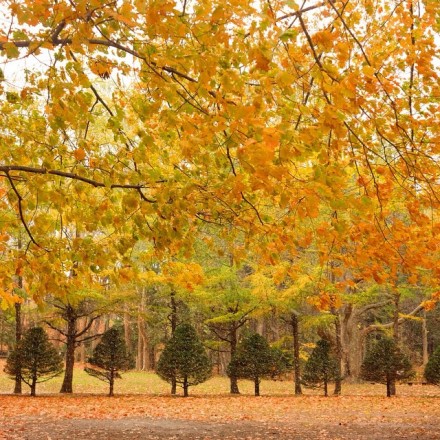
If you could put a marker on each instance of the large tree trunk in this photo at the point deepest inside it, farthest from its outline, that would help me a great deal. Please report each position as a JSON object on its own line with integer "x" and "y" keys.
{"x": 352, "y": 342}
{"x": 233, "y": 338}
{"x": 338, "y": 380}
{"x": 392, "y": 381}
{"x": 18, "y": 333}
{"x": 425, "y": 355}
{"x": 67, "y": 386}
{"x": 296, "y": 361}
{"x": 353, "y": 336}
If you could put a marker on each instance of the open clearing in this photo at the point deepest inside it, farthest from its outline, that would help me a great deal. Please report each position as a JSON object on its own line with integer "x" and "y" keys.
{"x": 361, "y": 413}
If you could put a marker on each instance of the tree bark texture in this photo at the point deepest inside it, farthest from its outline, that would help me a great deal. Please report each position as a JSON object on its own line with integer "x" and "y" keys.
{"x": 296, "y": 361}
{"x": 18, "y": 333}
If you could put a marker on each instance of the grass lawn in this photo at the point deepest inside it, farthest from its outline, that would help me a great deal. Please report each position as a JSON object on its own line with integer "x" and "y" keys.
{"x": 148, "y": 383}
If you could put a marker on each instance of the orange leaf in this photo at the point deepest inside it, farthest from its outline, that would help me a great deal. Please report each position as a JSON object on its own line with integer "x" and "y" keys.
{"x": 79, "y": 154}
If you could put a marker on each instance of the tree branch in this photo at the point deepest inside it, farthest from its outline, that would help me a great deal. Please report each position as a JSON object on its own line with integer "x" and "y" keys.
{"x": 374, "y": 327}
{"x": 53, "y": 327}
{"x": 20, "y": 207}
{"x": 301, "y": 11}
{"x": 33, "y": 170}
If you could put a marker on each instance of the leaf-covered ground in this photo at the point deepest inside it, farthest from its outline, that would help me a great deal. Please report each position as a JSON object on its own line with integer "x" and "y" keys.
{"x": 211, "y": 417}
{"x": 146, "y": 411}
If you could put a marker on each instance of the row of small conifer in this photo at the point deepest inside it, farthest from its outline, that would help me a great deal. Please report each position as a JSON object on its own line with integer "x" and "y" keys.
{"x": 184, "y": 361}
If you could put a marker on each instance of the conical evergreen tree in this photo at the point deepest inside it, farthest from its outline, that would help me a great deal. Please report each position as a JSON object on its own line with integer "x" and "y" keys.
{"x": 321, "y": 367}
{"x": 184, "y": 358}
{"x": 385, "y": 363}
{"x": 36, "y": 358}
{"x": 109, "y": 358}
{"x": 432, "y": 369}
{"x": 255, "y": 359}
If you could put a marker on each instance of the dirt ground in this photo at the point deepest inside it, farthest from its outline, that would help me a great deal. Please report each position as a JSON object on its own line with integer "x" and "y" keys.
{"x": 219, "y": 417}
{"x": 150, "y": 429}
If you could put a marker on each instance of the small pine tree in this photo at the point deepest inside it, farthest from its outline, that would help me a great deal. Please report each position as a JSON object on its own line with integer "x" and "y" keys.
{"x": 432, "y": 368}
{"x": 385, "y": 363}
{"x": 36, "y": 358}
{"x": 184, "y": 359}
{"x": 321, "y": 367}
{"x": 255, "y": 359}
{"x": 109, "y": 358}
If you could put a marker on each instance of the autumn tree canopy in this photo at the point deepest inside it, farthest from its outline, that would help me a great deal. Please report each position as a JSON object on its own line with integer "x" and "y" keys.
{"x": 282, "y": 123}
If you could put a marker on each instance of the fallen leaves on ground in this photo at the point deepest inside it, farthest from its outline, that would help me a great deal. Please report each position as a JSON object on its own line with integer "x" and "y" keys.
{"x": 266, "y": 409}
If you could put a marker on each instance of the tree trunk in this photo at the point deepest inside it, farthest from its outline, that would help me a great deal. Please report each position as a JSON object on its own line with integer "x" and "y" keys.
{"x": 233, "y": 340}
{"x": 83, "y": 354}
{"x": 338, "y": 380}
{"x": 33, "y": 387}
{"x": 152, "y": 357}
{"x": 173, "y": 320}
{"x": 142, "y": 345}
{"x": 425, "y": 355}
{"x": 392, "y": 385}
{"x": 325, "y": 387}
{"x": 18, "y": 332}
{"x": 140, "y": 351}
{"x": 296, "y": 361}
{"x": 389, "y": 383}
{"x": 257, "y": 386}
{"x": 185, "y": 387}
{"x": 352, "y": 343}
{"x": 127, "y": 330}
{"x": 111, "y": 383}
{"x": 67, "y": 386}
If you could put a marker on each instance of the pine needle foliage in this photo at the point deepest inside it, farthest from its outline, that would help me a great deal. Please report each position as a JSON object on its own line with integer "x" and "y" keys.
{"x": 184, "y": 359}
{"x": 385, "y": 363}
{"x": 321, "y": 367}
{"x": 36, "y": 358}
{"x": 109, "y": 358}
{"x": 432, "y": 369}
{"x": 255, "y": 359}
